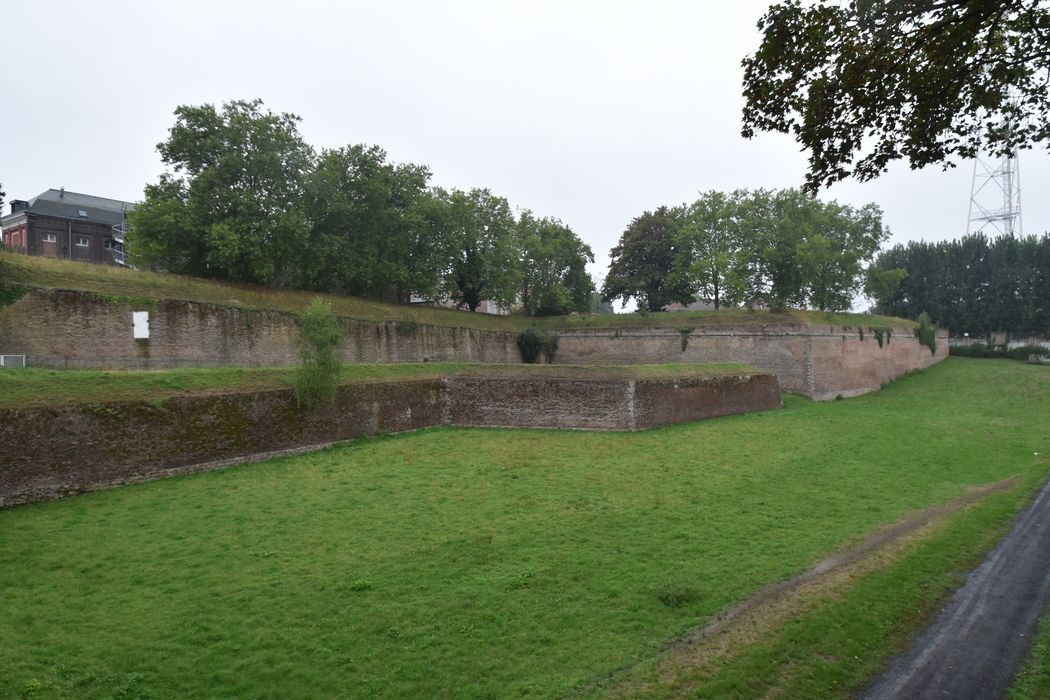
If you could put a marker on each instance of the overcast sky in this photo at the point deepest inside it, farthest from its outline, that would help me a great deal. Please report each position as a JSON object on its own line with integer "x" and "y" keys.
{"x": 592, "y": 112}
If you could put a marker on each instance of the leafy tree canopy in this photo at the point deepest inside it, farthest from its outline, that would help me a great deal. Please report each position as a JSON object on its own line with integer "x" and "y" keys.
{"x": 483, "y": 252}
{"x": 757, "y": 247}
{"x": 708, "y": 247}
{"x": 368, "y": 226}
{"x": 554, "y": 277}
{"x": 862, "y": 83}
{"x": 642, "y": 262}
{"x": 971, "y": 285}
{"x": 230, "y": 206}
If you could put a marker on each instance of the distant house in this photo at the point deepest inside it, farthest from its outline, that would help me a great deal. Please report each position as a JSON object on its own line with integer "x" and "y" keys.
{"x": 69, "y": 225}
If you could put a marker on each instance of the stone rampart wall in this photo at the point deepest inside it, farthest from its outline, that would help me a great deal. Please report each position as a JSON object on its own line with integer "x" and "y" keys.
{"x": 75, "y": 329}
{"x": 63, "y": 329}
{"x": 50, "y": 452}
{"x": 820, "y": 362}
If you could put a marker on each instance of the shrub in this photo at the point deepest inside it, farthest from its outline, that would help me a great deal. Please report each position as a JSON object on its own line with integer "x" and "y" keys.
{"x": 684, "y": 331}
{"x": 926, "y": 333}
{"x": 315, "y": 379}
{"x": 534, "y": 343}
{"x": 999, "y": 351}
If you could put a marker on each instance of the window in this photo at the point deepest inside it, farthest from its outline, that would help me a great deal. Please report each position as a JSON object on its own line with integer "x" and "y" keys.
{"x": 82, "y": 212}
{"x": 82, "y": 242}
{"x": 50, "y": 238}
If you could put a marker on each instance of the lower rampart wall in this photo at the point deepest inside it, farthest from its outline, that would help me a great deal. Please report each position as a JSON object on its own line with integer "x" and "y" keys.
{"x": 51, "y": 452}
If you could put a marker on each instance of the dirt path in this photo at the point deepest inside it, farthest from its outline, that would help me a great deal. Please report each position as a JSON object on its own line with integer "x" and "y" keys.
{"x": 763, "y": 613}
{"x": 976, "y": 645}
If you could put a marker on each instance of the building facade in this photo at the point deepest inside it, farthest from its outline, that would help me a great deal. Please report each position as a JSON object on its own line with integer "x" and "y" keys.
{"x": 68, "y": 225}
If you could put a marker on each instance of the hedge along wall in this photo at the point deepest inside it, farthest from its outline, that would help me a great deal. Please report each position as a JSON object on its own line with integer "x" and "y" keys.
{"x": 50, "y": 452}
{"x": 61, "y": 329}
{"x": 820, "y": 362}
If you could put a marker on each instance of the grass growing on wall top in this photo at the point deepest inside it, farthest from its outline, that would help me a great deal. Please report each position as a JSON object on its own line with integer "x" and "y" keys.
{"x": 117, "y": 282}
{"x": 483, "y": 562}
{"x": 27, "y": 388}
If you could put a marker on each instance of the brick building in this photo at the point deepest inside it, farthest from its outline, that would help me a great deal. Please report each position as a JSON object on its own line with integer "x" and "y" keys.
{"x": 69, "y": 225}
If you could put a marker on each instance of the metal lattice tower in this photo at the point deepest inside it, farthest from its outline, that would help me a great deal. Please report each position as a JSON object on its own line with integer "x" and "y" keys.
{"x": 995, "y": 196}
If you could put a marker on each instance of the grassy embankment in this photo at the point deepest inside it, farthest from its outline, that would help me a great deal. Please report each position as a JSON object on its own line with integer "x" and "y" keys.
{"x": 480, "y": 563}
{"x": 30, "y": 388}
{"x": 120, "y": 284}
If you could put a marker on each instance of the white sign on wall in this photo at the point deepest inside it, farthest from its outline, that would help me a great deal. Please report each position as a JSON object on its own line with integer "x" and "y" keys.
{"x": 140, "y": 324}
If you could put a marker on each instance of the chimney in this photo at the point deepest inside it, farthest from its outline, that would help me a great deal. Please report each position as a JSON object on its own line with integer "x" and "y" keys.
{"x": 61, "y": 192}
{"x": 18, "y": 205}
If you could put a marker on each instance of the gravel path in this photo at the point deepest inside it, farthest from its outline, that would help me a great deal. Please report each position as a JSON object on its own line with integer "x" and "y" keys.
{"x": 975, "y": 647}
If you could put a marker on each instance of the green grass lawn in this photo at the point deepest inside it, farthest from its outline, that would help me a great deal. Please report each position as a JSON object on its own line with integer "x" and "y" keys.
{"x": 1034, "y": 681}
{"x": 505, "y": 563}
{"x": 32, "y": 387}
{"x": 118, "y": 283}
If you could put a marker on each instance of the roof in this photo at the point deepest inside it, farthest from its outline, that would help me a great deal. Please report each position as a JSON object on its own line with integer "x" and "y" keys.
{"x": 79, "y": 207}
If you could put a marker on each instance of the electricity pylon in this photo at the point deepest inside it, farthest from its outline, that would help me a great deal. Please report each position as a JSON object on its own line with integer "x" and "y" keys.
{"x": 995, "y": 195}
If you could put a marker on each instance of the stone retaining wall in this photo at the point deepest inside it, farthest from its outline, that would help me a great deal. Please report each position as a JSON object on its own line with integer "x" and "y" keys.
{"x": 50, "y": 452}
{"x": 821, "y": 362}
{"x": 76, "y": 329}
{"x": 63, "y": 329}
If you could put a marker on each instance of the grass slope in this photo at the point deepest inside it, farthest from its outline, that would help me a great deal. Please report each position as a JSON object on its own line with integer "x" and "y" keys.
{"x": 116, "y": 282}
{"x": 482, "y": 563}
{"x": 32, "y": 388}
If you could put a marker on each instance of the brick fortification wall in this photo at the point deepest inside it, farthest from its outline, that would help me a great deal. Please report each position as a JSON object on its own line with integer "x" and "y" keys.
{"x": 820, "y": 362}
{"x": 50, "y": 452}
{"x": 73, "y": 329}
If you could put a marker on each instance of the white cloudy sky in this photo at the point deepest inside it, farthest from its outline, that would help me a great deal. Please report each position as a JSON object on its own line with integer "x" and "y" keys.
{"x": 589, "y": 111}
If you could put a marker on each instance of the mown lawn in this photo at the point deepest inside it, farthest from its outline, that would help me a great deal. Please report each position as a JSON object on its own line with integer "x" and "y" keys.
{"x": 486, "y": 563}
{"x": 1034, "y": 681}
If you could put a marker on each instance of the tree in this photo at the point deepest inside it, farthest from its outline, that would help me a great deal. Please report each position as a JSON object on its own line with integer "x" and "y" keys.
{"x": 368, "y": 226}
{"x": 834, "y": 254}
{"x": 483, "y": 263}
{"x": 796, "y": 250}
{"x": 973, "y": 284}
{"x": 554, "y": 277}
{"x": 708, "y": 247}
{"x": 2, "y": 195}
{"x": 161, "y": 233}
{"x": 643, "y": 260}
{"x": 863, "y": 83}
{"x": 880, "y": 285}
{"x": 231, "y": 204}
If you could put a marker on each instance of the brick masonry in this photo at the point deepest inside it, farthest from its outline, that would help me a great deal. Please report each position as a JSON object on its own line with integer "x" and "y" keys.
{"x": 76, "y": 329}
{"x": 821, "y": 362}
{"x": 50, "y": 452}
{"x": 64, "y": 329}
